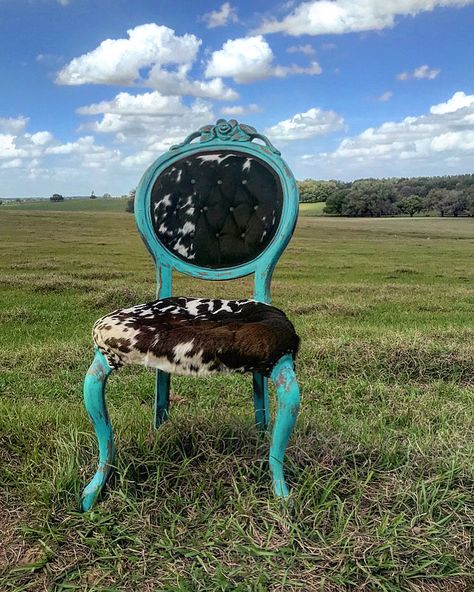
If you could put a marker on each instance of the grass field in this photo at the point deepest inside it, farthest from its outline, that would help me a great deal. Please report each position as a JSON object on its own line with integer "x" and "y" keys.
{"x": 382, "y": 458}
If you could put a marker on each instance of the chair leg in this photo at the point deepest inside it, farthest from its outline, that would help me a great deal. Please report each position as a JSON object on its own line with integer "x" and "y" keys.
{"x": 288, "y": 402}
{"x": 94, "y": 401}
{"x": 261, "y": 401}
{"x": 162, "y": 398}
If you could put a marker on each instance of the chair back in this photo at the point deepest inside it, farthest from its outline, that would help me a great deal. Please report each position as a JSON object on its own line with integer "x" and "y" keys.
{"x": 217, "y": 209}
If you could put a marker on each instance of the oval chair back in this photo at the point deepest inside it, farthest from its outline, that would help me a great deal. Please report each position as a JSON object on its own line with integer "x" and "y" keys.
{"x": 218, "y": 209}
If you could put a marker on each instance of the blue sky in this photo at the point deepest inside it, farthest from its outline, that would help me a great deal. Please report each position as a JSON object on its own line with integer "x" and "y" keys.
{"x": 93, "y": 92}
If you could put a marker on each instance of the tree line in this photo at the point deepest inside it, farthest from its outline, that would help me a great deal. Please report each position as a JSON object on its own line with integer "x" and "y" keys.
{"x": 450, "y": 195}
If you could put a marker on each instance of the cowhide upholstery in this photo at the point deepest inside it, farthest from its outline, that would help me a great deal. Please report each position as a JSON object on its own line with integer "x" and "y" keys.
{"x": 217, "y": 208}
{"x": 197, "y": 336}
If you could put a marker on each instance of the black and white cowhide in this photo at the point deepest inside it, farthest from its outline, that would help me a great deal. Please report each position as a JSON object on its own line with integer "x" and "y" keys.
{"x": 197, "y": 336}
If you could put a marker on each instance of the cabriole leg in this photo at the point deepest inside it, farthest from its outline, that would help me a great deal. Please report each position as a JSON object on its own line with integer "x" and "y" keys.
{"x": 261, "y": 401}
{"x": 288, "y": 402}
{"x": 94, "y": 400}
{"x": 162, "y": 398}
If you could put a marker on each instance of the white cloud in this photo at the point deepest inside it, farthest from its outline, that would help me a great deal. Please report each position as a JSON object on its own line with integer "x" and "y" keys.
{"x": 458, "y": 101}
{"x": 177, "y": 83}
{"x": 322, "y": 17}
{"x": 13, "y": 125}
{"x": 306, "y": 49}
{"x": 314, "y": 122}
{"x": 219, "y": 18}
{"x": 251, "y": 58}
{"x": 386, "y": 96}
{"x": 150, "y": 103}
{"x": 119, "y": 61}
{"x": 423, "y": 144}
{"x": 237, "y": 110}
{"x": 419, "y": 73}
{"x": 152, "y": 56}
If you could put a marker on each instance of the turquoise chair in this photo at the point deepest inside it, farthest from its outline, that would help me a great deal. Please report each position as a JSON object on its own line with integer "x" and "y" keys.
{"x": 219, "y": 208}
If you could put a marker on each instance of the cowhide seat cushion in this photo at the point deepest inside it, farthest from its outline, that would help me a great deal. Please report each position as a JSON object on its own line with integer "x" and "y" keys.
{"x": 197, "y": 336}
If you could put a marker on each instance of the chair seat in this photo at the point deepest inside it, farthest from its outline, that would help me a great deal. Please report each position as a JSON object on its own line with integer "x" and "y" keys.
{"x": 197, "y": 336}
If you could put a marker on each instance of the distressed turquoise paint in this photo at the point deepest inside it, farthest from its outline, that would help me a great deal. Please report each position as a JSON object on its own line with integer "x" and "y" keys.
{"x": 164, "y": 289}
{"x": 223, "y": 136}
{"x": 288, "y": 402}
{"x": 94, "y": 400}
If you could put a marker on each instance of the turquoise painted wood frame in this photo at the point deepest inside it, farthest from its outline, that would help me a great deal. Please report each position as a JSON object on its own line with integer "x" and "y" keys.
{"x": 235, "y": 137}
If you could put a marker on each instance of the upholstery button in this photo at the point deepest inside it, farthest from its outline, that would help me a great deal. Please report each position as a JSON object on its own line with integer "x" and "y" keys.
{"x": 205, "y": 208}
{"x": 242, "y": 235}
{"x": 231, "y": 209}
{"x": 244, "y": 182}
{"x": 255, "y": 207}
{"x": 219, "y": 182}
{"x": 193, "y": 181}
{"x": 217, "y": 234}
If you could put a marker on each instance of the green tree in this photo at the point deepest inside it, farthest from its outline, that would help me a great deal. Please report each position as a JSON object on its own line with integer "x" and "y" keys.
{"x": 411, "y": 204}
{"x": 130, "y": 207}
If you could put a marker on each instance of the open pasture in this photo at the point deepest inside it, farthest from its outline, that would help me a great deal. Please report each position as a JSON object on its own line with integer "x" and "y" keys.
{"x": 381, "y": 461}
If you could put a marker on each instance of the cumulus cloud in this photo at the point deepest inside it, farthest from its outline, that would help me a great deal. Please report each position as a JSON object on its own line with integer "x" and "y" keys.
{"x": 13, "y": 125}
{"x": 251, "y": 58}
{"x": 237, "y": 110}
{"x": 419, "y": 73}
{"x": 423, "y": 144}
{"x": 314, "y": 122}
{"x": 150, "y": 103}
{"x": 39, "y": 155}
{"x": 119, "y": 61}
{"x": 458, "y": 101}
{"x": 152, "y": 56}
{"x": 178, "y": 83}
{"x": 222, "y": 17}
{"x": 323, "y": 17}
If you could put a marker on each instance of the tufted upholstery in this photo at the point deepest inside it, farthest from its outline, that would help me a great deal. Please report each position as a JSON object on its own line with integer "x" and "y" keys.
{"x": 217, "y": 209}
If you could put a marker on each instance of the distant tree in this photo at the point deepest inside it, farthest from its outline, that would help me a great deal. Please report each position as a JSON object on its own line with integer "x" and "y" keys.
{"x": 311, "y": 190}
{"x": 106, "y": 196}
{"x": 371, "y": 197}
{"x": 56, "y": 197}
{"x": 411, "y": 204}
{"x": 336, "y": 202}
{"x": 130, "y": 207}
{"x": 436, "y": 200}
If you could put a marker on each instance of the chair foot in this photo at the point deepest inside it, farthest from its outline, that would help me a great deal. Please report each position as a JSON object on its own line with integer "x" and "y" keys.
{"x": 288, "y": 401}
{"x": 94, "y": 401}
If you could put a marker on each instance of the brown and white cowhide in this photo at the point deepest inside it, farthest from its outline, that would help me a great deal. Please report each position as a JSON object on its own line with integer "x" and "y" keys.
{"x": 197, "y": 336}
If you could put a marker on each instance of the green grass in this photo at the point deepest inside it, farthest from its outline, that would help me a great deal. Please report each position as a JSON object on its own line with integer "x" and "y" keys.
{"x": 70, "y": 205}
{"x": 312, "y": 209}
{"x": 382, "y": 458}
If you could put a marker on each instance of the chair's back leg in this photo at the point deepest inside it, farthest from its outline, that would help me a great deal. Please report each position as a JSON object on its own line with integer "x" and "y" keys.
{"x": 261, "y": 401}
{"x": 94, "y": 401}
{"x": 162, "y": 398}
{"x": 288, "y": 401}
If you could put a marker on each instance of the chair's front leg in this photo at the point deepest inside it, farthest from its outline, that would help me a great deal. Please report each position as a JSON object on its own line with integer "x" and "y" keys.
{"x": 260, "y": 400}
{"x": 288, "y": 402}
{"x": 94, "y": 400}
